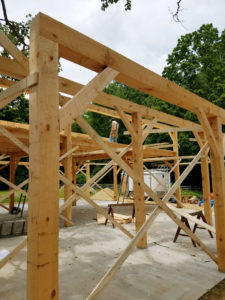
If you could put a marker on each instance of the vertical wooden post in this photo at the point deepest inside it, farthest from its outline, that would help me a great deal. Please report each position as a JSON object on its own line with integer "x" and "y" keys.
{"x": 74, "y": 174}
{"x": 87, "y": 166}
{"x": 115, "y": 183}
{"x": 206, "y": 183}
{"x": 67, "y": 163}
{"x": 218, "y": 180}
{"x": 177, "y": 169}
{"x": 12, "y": 174}
{"x": 139, "y": 201}
{"x": 42, "y": 247}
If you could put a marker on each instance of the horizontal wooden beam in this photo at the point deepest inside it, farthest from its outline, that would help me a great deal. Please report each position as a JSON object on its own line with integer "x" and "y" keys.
{"x": 70, "y": 87}
{"x": 21, "y": 163}
{"x": 82, "y": 50}
{"x": 12, "y": 68}
{"x": 172, "y": 129}
{"x": 112, "y": 113}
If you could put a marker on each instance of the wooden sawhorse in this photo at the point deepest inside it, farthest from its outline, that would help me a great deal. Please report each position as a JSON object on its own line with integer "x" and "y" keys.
{"x": 199, "y": 215}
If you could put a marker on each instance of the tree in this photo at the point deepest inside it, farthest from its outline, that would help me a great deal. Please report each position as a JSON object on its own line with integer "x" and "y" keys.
{"x": 198, "y": 64}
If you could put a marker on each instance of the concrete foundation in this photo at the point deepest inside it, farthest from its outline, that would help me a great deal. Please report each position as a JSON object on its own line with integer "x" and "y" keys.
{"x": 164, "y": 271}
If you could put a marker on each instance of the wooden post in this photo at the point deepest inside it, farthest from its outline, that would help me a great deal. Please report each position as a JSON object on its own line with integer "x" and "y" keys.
{"x": 42, "y": 250}
{"x": 218, "y": 180}
{"x": 206, "y": 183}
{"x": 115, "y": 183}
{"x": 74, "y": 174}
{"x": 12, "y": 169}
{"x": 139, "y": 201}
{"x": 67, "y": 163}
{"x": 177, "y": 169}
{"x": 87, "y": 166}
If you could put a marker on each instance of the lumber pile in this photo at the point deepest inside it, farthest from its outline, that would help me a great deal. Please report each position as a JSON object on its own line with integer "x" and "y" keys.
{"x": 122, "y": 219}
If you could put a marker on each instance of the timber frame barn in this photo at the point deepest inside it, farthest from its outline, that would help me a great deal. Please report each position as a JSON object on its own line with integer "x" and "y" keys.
{"x": 48, "y": 142}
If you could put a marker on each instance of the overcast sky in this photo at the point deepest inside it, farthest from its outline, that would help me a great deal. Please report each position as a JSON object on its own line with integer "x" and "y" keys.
{"x": 146, "y": 34}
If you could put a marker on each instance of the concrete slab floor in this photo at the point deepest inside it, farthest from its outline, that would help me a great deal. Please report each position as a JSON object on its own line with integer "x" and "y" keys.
{"x": 164, "y": 271}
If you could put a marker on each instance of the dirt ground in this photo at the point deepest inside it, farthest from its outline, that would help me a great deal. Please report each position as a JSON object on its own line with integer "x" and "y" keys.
{"x": 215, "y": 293}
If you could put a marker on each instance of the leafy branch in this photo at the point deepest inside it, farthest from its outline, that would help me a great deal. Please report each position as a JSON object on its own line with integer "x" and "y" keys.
{"x": 106, "y": 3}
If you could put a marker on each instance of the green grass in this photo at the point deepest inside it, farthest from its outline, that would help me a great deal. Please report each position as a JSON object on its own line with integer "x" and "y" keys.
{"x": 17, "y": 197}
{"x": 61, "y": 193}
{"x": 192, "y": 193}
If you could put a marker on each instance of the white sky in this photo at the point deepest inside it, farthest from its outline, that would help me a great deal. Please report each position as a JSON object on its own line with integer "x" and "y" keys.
{"x": 145, "y": 34}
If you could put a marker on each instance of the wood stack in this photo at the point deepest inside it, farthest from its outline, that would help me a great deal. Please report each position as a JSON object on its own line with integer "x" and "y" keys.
{"x": 122, "y": 219}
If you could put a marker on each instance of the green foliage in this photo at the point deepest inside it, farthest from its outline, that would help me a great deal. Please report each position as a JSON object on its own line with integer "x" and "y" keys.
{"x": 198, "y": 64}
{"x": 16, "y": 111}
{"x": 106, "y": 3}
{"x": 18, "y": 33}
{"x": 81, "y": 179}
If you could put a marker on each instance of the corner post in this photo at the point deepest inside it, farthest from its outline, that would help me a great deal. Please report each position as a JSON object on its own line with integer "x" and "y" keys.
{"x": 206, "y": 182}
{"x": 174, "y": 137}
{"x": 218, "y": 180}
{"x": 42, "y": 248}
{"x": 115, "y": 183}
{"x": 67, "y": 163}
{"x": 139, "y": 197}
{"x": 74, "y": 174}
{"x": 12, "y": 175}
{"x": 87, "y": 167}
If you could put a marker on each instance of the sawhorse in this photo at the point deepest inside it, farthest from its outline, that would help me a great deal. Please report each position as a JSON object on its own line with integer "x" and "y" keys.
{"x": 199, "y": 215}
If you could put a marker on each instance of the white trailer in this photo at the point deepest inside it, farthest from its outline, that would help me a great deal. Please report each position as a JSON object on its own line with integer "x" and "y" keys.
{"x": 150, "y": 180}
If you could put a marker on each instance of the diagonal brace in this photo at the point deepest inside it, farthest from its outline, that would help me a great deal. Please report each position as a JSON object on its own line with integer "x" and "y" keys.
{"x": 79, "y": 103}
